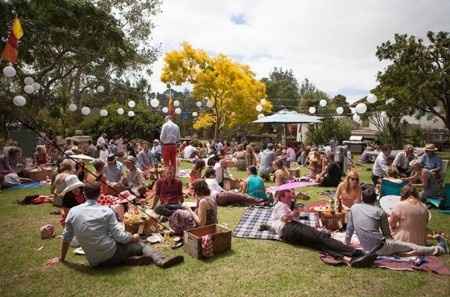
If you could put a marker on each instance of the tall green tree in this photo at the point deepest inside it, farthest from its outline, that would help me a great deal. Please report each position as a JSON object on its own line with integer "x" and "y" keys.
{"x": 71, "y": 48}
{"x": 418, "y": 76}
{"x": 310, "y": 95}
{"x": 282, "y": 89}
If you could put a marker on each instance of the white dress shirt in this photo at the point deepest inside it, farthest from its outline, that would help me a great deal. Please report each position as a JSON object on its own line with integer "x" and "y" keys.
{"x": 170, "y": 133}
{"x": 380, "y": 167}
{"x": 276, "y": 218}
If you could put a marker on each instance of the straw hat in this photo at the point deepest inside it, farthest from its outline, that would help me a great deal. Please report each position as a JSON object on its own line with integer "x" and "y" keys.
{"x": 72, "y": 182}
{"x": 430, "y": 148}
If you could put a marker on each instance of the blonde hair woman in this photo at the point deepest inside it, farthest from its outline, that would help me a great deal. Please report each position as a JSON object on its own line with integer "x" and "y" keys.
{"x": 349, "y": 191}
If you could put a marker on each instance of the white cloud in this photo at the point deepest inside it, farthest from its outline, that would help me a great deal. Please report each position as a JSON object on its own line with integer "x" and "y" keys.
{"x": 332, "y": 43}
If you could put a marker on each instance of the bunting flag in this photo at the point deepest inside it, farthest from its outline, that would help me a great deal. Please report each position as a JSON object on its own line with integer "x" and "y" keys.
{"x": 170, "y": 106}
{"x": 10, "y": 51}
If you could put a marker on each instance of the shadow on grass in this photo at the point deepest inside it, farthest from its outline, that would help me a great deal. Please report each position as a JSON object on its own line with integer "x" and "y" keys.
{"x": 215, "y": 258}
{"x": 88, "y": 270}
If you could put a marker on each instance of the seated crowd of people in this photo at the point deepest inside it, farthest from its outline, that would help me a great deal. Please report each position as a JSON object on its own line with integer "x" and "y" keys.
{"x": 128, "y": 174}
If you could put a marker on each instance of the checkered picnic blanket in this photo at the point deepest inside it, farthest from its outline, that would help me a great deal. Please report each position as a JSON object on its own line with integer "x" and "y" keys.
{"x": 253, "y": 217}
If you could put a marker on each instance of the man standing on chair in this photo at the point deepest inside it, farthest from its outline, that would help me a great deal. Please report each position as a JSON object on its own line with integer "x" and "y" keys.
{"x": 170, "y": 136}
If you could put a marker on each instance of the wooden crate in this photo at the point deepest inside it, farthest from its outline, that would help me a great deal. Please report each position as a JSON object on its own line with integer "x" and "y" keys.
{"x": 221, "y": 238}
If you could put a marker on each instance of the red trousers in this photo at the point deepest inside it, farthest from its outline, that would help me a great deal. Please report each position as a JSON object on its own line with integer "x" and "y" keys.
{"x": 169, "y": 154}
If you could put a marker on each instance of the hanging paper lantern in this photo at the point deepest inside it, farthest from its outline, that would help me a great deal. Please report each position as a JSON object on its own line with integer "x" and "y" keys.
{"x": 210, "y": 104}
{"x": 131, "y": 104}
{"x": 339, "y": 110}
{"x": 120, "y": 111}
{"x": 103, "y": 113}
{"x": 260, "y": 116}
{"x": 178, "y": 110}
{"x": 194, "y": 114}
{"x": 323, "y": 102}
{"x": 390, "y": 100}
{"x": 199, "y": 104}
{"x": 263, "y": 101}
{"x": 165, "y": 110}
{"x": 28, "y": 89}
{"x": 72, "y": 107}
{"x": 100, "y": 89}
{"x": 131, "y": 113}
{"x": 312, "y": 109}
{"x": 361, "y": 108}
{"x": 356, "y": 117}
{"x": 28, "y": 80}
{"x": 154, "y": 103}
{"x": 176, "y": 103}
{"x": 371, "y": 98}
{"x": 19, "y": 100}
{"x": 259, "y": 108}
{"x": 9, "y": 71}
{"x": 85, "y": 110}
{"x": 36, "y": 86}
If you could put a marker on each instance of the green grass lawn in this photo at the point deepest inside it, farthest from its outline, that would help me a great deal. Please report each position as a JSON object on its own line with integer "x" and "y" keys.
{"x": 252, "y": 268}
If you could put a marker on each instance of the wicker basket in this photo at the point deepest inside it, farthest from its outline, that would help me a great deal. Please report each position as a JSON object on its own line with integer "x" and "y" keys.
{"x": 40, "y": 174}
{"x": 221, "y": 238}
{"x": 332, "y": 221}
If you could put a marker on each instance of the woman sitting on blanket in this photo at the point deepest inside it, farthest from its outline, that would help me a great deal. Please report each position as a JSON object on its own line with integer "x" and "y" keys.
{"x": 409, "y": 218}
{"x": 205, "y": 213}
{"x": 349, "y": 191}
{"x": 281, "y": 177}
{"x": 283, "y": 221}
{"x": 196, "y": 172}
{"x": 254, "y": 185}
{"x": 224, "y": 198}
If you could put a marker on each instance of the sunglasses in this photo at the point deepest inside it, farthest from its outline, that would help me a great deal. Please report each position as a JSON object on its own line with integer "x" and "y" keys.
{"x": 354, "y": 178}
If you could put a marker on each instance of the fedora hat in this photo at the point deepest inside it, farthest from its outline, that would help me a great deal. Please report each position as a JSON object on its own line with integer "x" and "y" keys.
{"x": 430, "y": 147}
{"x": 72, "y": 182}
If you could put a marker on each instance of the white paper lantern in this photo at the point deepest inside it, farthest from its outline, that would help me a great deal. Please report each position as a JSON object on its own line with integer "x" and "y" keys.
{"x": 361, "y": 108}
{"x": 73, "y": 107}
{"x": 28, "y": 80}
{"x": 340, "y": 110}
{"x": 259, "y": 108}
{"x": 19, "y": 100}
{"x": 356, "y": 117}
{"x": 263, "y": 101}
{"x": 154, "y": 103}
{"x": 36, "y": 86}
{"x": 323, "y": 102}
{"x": 178, "y": 110}
{"x": 176, "y": 103}
{"x": 390, "y": 100}
{"x": 371, "y": 98}
{"x": 210, "y": 104}
{"x": 194, "y": 114}
{"x": 28, "y": 89}
{"x": 260, "y": 116}
{"x": 85, "y": 110}
{"x": 199, "y": 104}
{"x": 103, "y": 113}
{"x": 165, "y": 110}
{"x": 9, "y": 71}
{"x": 120, "y": 111}
{"x": 100, "y": 89}
{"x": 312, "y": 109}
{"x": 131, "y": 104}
{"x": 131, "y": 113}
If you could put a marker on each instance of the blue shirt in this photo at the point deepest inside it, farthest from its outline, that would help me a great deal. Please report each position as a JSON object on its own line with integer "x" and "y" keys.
{"x": 431, "y": 162}
{"x": 255, "y": 187}
{"x": 114, "y": 173}
{"x": 96, "y": 229}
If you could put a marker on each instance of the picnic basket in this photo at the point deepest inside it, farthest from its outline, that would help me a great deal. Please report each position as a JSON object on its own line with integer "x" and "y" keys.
{"x": 332, "y": 220}
{"x": 221, "y": 238}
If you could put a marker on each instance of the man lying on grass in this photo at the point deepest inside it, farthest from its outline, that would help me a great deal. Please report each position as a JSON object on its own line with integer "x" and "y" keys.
{"x": 103, "y": 239}
{"x": 284, "y": 222}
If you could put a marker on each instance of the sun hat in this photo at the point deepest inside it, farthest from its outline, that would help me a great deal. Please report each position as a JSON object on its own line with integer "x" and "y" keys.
{"x": 430, "y": 147}
{"x": 72, "y": 182}
{"x": 130, "y": 159}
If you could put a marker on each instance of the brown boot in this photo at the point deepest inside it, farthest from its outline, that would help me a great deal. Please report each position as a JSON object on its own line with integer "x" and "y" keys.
{"x": 165, "y": 262}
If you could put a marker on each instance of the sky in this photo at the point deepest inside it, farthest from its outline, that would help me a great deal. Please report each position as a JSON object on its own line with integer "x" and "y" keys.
{"x": 332, "y": 43}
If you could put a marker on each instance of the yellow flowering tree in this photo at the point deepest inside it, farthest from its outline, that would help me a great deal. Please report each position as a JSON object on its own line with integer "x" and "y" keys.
{"x": 230, "y": 88}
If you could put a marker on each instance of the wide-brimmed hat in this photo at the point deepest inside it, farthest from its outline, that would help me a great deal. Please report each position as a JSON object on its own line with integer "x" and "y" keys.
{"x": 430, "y": 147}
{"x": 72, "y": 182}
{"x": 130, "y": 159}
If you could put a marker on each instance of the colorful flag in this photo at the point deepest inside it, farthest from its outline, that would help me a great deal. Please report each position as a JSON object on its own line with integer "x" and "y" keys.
{"x": 170, "y": 106}
{"x": 10, "y": 51}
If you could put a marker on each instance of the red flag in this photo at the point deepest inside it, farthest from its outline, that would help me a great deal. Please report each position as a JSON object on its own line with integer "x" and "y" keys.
{"x": 10, "y": 51}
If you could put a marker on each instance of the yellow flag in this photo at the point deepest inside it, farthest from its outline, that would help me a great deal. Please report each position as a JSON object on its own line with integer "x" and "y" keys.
{"x": 17, "y": 28}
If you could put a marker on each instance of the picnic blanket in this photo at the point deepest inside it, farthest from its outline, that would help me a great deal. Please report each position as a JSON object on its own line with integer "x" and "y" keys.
{"x": 291, "y": 185}
{"x": 32, "y": 185}
{"x": 255, "y": 216}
